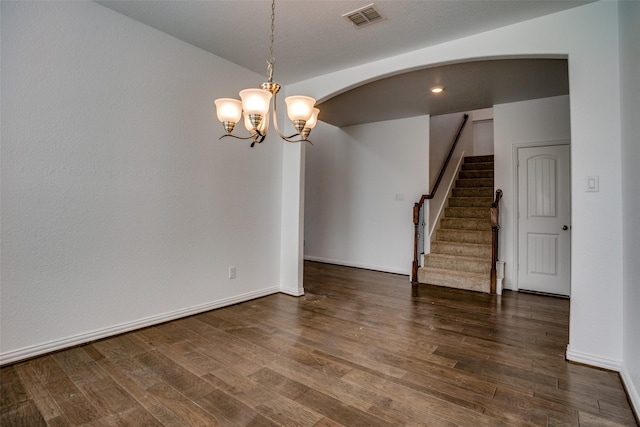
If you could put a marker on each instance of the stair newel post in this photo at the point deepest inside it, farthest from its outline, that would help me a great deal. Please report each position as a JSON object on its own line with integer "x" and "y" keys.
{"x": 416, "y": 237}
{"x": 495, "y": 226}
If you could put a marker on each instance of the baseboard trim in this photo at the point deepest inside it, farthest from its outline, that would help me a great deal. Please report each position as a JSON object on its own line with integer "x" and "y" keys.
{"x": 51, "y": 346}
{"x": 632, "y": 391}
{"x": 592, "y": 360}
{"x": 384, "y": 269}
{"x": 294, "y": 292}
{"x": 613, "y": 365}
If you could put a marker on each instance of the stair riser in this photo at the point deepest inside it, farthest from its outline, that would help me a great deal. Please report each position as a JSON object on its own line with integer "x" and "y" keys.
{"x": 479, "y": 159}
{"x": 488, "y": 174}
{"x": 477, "y": 166}
{"x": 480, "y": 213}
{"x": 470, "y": 202}
{"x": 452, "y": 280}
{"x": 452, "y": 248}
{"x": 464, "y": 236}
{"x": 465, "y": 224}
{"x": 473, "y": 192}
{"x": 467, "y": 183}
{"x": 479, "y": 266}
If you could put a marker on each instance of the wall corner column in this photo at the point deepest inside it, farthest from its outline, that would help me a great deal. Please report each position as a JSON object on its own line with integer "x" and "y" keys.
{"x": 292, "y": 217}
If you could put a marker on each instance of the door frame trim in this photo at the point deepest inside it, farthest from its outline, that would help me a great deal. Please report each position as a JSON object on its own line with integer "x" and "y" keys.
{"x": 516, "y": 200}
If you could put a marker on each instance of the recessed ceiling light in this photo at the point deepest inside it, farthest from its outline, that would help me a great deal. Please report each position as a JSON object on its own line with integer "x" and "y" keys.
{"x": 437, "y": 89}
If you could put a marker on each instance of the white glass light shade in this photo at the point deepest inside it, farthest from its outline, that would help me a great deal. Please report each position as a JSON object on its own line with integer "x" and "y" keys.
{"x": 262, "y": 128}
{"x": 255, "y": 101}
{"x": 313, "y": 120}
{"x": 228, "y": 110}
{"x": 299, "y": 107}
{"x": 247, "y": 122}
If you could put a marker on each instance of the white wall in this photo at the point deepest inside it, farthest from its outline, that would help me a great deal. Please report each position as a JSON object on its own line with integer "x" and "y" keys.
{"x": 527, "y": 122}
{"x": 353, "y": 176}
{"x": 120, "y": 207}
{"x": 483, "y": 137}
{"x": 630, "y": 90}
{"x": 588, "y": 37}
{"x": 477, "y": 136}
{"x": 442, "y": 133}
{"x": 443, "y": 130}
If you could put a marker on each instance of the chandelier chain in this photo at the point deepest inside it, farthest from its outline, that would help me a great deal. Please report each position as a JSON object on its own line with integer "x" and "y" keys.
{"x": 271, "y": 60}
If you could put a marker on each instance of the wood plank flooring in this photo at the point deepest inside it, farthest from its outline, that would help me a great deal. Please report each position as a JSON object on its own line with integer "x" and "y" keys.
{"x": 361, "y": 348}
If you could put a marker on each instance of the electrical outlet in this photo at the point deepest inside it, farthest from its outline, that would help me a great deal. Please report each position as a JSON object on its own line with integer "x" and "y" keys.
{"x": 232, "y": 272}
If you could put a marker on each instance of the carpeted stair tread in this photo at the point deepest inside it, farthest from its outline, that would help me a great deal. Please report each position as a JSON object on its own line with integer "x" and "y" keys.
{"x": 479, "y": 182}
{"x": 455, "y": 262}
{"x": 466, "y": 212}
{"x": 465, "y": 224}
{"x": 473, "y": 192}
{"x": 464, "y": 236}
{"x": 463, "y": 249}
{"x": 477, "y": 166}
{"x": 479, "y": 282}
{"x": 476, "y": 174}
{"x": 479, "y": 159}
{"x": 470, "y": 202}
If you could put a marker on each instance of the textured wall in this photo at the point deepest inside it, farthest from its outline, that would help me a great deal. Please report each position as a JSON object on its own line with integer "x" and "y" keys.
{"x": 630, "y": 90}
{"x": 354, "y": 178}
{"x": 119, "y": 205}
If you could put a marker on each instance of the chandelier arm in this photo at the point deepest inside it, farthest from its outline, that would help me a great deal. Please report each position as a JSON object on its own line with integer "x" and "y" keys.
{"x": 257, "y": 138}
{"x": 235, "y": 136}
{"x": 290, "y": 138}
{"x": 295, "y": 141}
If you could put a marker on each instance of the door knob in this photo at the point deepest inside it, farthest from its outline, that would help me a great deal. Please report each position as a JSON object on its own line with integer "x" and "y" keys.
{"x": 564, "y": 227}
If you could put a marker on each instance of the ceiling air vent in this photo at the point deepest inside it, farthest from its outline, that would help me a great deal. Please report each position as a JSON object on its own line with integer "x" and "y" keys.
{"x": 364, "y": 16}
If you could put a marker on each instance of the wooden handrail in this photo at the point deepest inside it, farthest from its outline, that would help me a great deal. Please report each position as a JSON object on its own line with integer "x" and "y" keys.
{"x": 446, "y": 162}
{"x": 420, "y": 203}
{"x": 444, "y": 165}
{"x": 495, "y": 226}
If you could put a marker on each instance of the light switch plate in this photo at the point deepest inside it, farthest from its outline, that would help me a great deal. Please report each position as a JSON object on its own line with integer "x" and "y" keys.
{"x": 592, "y": 184}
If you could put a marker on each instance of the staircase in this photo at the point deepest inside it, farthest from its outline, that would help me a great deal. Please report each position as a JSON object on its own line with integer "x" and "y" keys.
{"x": 461, "y": 252}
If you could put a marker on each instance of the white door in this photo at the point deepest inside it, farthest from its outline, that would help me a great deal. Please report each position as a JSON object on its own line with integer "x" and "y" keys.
{"x": 544, "y": 213}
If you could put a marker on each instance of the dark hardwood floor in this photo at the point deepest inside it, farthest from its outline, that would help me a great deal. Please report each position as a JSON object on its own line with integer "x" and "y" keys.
{"x": 361, "y": 348}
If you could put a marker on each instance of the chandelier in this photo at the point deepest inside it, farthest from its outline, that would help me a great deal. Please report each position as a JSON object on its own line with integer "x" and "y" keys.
{"x": 254, "y": 107}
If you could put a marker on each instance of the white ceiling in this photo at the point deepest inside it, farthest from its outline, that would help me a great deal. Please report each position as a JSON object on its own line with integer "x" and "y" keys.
{"x": 311, "y": 36}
